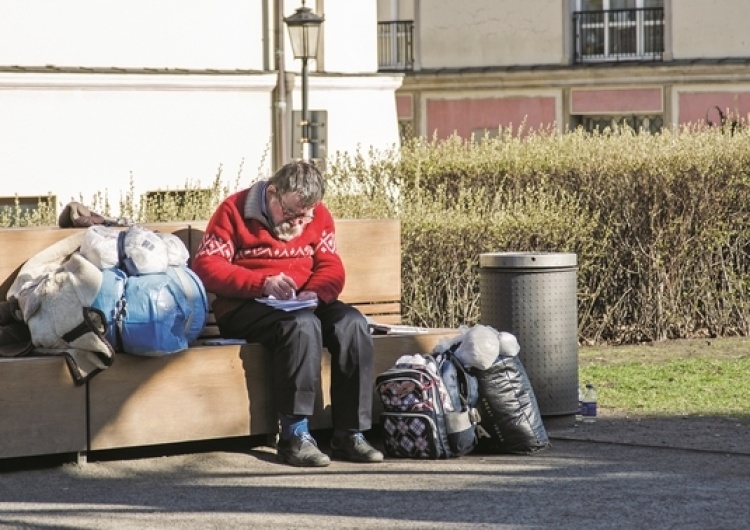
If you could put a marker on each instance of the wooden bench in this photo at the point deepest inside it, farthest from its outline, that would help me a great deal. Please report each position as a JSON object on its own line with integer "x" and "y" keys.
{"x": 205, "y": 392}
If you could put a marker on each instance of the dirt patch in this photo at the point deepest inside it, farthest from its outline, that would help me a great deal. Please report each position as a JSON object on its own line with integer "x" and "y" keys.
{"x": 719, "y": 348}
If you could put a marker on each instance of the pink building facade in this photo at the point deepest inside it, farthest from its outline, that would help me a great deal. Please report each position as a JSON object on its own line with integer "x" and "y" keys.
{"x": 562, "y": 64}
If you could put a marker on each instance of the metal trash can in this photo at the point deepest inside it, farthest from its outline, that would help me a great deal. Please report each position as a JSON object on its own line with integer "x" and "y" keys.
{"x": 533, "y": 296}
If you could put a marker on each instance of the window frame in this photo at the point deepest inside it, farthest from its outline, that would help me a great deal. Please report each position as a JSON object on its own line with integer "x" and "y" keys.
{"x": 616, "y": 19}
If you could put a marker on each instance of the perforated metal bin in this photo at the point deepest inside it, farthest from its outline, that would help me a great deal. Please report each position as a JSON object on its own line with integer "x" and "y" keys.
{"x": 533, "y": 296}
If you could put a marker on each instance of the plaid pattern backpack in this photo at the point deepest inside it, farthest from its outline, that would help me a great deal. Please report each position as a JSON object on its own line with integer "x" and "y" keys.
{"x": 428, "y": 407}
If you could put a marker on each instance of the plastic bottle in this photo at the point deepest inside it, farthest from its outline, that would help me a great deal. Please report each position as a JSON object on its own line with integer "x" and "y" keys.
{"x": 589, "y": 404}
{"x": 579, "y": 412}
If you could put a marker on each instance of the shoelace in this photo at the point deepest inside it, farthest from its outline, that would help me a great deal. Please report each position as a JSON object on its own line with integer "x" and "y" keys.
{"x": 358, "y": 438}
{"x": 307, "y": 437}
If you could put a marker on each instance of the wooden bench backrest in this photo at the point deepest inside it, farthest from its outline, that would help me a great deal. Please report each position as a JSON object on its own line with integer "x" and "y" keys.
{"x": 369, "y": 248}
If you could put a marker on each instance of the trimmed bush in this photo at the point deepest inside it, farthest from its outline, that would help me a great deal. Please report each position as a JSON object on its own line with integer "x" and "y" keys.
{"x": 659, "y": 224}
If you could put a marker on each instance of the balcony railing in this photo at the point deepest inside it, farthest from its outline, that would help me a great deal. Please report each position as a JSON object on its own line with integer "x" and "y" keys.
{"x": 396, "y": 45}
{"x": 619, "y": 35}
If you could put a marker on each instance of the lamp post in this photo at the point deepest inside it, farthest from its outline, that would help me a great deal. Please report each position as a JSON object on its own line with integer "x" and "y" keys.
{"x": 304, "y": 32}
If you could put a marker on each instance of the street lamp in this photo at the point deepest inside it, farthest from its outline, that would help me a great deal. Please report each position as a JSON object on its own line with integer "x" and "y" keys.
{"x": 304, "y": 31}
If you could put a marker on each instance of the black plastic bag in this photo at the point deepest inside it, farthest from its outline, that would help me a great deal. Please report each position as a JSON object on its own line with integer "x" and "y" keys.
{"x": 510, "y": 418}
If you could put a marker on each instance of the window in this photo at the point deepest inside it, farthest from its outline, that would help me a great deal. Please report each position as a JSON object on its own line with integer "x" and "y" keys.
{"x": 617, "y": 30}
{"x": 406, "y": 129}
{"x": 483, "y": 134}
{"x": 178, "y": 205}
{"x": 639, "y": 123}
{"x": 28, "y": 211}
{"x": 396, "y": 45}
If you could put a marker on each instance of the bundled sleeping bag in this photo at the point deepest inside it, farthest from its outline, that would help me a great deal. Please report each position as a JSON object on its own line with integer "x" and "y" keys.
{"x": 510, "y": 417}
{"x": 154, "y": 316}
{"x": 196, "y": 298}
{"x": 156, "y": 313}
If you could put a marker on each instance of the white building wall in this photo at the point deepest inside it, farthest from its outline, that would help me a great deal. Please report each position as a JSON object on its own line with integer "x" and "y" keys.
{"x": 350, "y": 39}
{"x": 73, "y": 135}
{"x": 392, "y": 10}
{"x": 475, "y": 33}
{"x": 132, "y": 34}
{"x": 361, "y": 111}
{"x": 78, "y": 134}
{"x": 710, "y": 29}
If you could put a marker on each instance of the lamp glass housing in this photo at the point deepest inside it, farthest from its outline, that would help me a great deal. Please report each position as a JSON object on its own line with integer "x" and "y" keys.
{"x": 304, "y": 32}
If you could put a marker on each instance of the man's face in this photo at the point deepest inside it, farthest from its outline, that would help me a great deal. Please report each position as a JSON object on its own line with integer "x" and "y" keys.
{"x": 287, "y": 215}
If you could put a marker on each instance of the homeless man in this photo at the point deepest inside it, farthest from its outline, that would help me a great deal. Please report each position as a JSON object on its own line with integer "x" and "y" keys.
{"x": 276, "y": 239}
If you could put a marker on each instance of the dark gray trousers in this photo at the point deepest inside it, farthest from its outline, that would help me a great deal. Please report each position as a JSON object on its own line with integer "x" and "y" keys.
{"x": 296, "y": 340}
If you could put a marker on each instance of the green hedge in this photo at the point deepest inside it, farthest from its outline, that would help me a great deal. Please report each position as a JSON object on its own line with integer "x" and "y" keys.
{"x": 659, "y": 223}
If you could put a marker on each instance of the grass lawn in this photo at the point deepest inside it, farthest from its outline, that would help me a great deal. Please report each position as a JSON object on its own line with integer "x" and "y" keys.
{"x": 681, "y": 377}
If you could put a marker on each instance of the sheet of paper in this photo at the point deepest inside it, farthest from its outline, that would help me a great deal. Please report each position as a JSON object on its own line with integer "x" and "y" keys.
{"x": 287, "y": 305}
{"x": 377, "y": 328}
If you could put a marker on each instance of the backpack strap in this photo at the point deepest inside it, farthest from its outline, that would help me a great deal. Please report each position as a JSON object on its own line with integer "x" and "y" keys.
{"x": 462, "y": 422}
{"x": 468, "y": 385}
{"x": 125, "y": 262}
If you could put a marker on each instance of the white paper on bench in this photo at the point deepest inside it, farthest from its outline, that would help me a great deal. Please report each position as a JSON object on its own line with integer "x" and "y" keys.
{"x": 287, "y": 305}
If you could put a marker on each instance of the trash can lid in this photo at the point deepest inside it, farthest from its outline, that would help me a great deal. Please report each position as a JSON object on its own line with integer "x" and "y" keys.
{"x": 527, "y": 260}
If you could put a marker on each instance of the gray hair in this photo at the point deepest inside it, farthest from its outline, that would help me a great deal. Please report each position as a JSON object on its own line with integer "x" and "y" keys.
{"x": 302, "y": 178}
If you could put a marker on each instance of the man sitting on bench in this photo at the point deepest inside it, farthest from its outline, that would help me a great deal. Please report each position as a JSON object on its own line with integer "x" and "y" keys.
{"x": 274, "y": 244}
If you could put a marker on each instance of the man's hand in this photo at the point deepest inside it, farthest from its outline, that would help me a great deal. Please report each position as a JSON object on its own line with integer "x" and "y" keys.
{"x": 281, "y": 287}
{"x": 307, "y": 295}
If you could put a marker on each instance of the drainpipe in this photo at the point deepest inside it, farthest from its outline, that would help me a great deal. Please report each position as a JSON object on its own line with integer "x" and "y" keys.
{"x": 280, "y": 95}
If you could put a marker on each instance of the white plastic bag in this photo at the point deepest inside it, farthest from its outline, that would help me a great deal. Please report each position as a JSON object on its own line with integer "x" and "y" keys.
{"x": 99, "y": 246}
{"x": 480, "y": 346}
{"x": 142, "y": 251}
{"x": 177, "y": 252}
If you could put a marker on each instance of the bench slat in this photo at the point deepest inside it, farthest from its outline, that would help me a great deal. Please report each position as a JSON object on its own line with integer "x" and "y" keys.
{"x": 373, "y": 269}
{"x": 193, "y": 395}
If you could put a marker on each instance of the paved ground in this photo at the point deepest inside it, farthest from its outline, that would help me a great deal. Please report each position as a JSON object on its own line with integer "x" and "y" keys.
{"x": 616, "y": 473}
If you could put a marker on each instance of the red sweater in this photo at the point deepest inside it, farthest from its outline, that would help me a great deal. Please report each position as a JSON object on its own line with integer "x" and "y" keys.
{"x": 239, "y": 251}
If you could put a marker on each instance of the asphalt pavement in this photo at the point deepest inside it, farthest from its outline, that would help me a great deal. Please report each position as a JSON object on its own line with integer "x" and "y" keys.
{"x": 590, "y": 478}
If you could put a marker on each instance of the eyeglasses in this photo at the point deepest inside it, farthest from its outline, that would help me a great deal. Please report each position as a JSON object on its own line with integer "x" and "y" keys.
{"x": 291, "y": 215}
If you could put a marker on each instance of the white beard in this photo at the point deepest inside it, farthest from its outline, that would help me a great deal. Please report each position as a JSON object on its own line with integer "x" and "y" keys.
{"x": 287, "y": 231}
